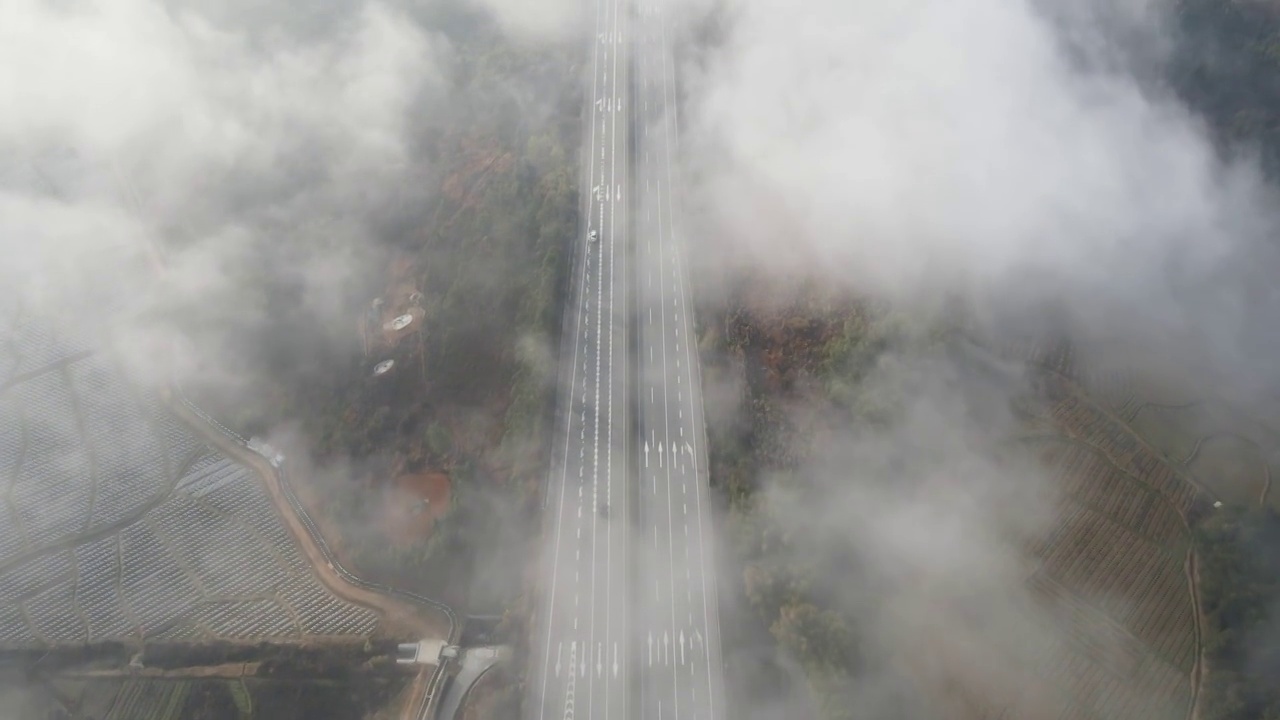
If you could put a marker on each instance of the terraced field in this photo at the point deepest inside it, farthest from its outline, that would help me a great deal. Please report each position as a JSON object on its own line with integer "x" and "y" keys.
{"x": 1115, "y": 568}
{"x": 1228, "y": 452}
{"x": 118, "y": 523}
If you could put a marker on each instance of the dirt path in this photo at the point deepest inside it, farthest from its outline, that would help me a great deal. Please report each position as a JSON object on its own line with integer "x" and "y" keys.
{"x": 225, "y": 670}
{"x": 398, "y": 617}
{"x": 1199, "y": 670}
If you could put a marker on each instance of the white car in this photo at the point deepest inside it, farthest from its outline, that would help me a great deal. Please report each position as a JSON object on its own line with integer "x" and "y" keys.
{"x": 593, "y": 236}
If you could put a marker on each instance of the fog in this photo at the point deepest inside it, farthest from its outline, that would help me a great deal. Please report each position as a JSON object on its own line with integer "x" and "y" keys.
{"x": 1006, "y": 150}
{"x": 1023, "y": 157}
{"x": 234, "y": 141}
{"x": 1027, "y": 160}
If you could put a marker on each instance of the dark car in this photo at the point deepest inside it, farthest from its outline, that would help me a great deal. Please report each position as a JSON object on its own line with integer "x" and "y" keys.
{"x": 604, "y": 510}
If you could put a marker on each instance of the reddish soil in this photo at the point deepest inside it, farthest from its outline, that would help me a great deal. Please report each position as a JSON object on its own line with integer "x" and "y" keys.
{"x": 406, "y": 517}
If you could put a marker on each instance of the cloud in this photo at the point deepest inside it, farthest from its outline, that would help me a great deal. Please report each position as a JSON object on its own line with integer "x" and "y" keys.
{"x": 543, "y": 20}
{"x": 1011, "y": 151}
{"x": 1027, "y": 157}
{"x": 242, "y": 143}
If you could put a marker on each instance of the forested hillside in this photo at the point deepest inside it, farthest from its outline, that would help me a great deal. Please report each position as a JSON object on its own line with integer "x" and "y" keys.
{"x": 800, "y": 369}
{"x": 479, "y": 262}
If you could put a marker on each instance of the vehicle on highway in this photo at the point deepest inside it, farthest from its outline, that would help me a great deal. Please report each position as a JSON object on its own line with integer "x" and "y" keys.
{"x": 593, "y": 236}
{"x": 604, "y": 510}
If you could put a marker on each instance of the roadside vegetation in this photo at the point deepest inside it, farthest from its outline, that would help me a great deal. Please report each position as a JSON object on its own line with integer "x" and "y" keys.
{"x": 800, "y": 367}
{"x": 462, "y": 415}
{"x": 471, "y": 392}
{"x": 810, "y": 352}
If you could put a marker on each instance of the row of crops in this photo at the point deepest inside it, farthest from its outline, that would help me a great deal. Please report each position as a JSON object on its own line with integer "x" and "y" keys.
{"x": 181, "y": 542}
{"x": 1114, "y": 567}
{"x": 192, "y": 563}
{"x": 1083, "y": 420}
{"x": 1088, "y": 478}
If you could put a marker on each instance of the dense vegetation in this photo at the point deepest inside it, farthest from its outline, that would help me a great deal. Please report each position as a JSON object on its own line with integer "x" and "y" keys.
{"x": 474, "y": 392}
{"x": 814, "y": 353}
{"x": 484, "y": 242}
{"x": 1227, "y": 68}
{"x": 1240, "y": 588}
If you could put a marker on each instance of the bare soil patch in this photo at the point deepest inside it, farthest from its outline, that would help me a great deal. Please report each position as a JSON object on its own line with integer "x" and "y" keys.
{"x": 413, "y": 505}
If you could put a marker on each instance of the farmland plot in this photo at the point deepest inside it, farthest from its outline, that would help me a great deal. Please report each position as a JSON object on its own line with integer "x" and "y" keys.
{"x": 118, "y": 523}
{"x": 1112, "y": 572}
{"x": 1142, "y": 458}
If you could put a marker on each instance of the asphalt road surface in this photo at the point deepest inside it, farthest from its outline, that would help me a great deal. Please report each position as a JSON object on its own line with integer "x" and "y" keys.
{"x": 628, "y": 627}
{"x": 581, "y": 666}
{"x": 677, "y": 622}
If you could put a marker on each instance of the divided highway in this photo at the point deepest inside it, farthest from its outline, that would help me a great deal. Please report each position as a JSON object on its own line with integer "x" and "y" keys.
{"x": 628, "y": 626}
{"x": 678, "y": 663}
{"x": 580, "y": 662}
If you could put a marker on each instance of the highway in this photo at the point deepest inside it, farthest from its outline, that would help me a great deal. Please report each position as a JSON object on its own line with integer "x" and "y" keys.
{"x": 580, "y": 663}
{"x": 678, "y": 659}
{"x": 628, "y": 626}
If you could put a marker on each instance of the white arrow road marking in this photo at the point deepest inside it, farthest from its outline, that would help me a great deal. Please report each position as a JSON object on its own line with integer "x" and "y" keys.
{"x": 646, "y": 454}
{"x": 599, "y": 665}
{"x": 681, "y": 647}
{"x": 650, "y": 649}
{"x": 559, "y": 649}
{"x": 659, "y": 455}
{"x": 666, "y": 648}
{"x": 615, "y": 660}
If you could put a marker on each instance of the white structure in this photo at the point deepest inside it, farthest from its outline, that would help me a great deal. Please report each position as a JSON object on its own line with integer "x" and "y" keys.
{"x": 399, "y": 323}
{"x": 383, "y": 366}
{"x": 424, "y": 652}
{"x": 273, "y": 456}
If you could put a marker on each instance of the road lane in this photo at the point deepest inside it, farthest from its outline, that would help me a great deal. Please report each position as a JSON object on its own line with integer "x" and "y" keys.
{"x": 601, "y": 636}
{"x": 583, "y": 665}
{"x": 684, "y": 679}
